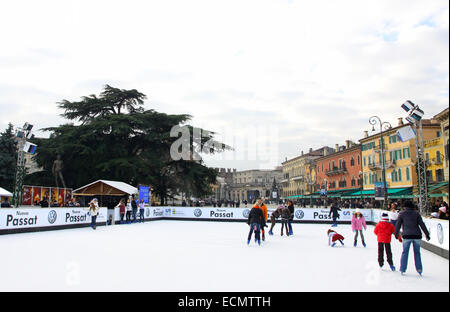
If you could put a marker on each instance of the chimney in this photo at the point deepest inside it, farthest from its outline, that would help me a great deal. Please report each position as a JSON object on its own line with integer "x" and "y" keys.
{"x": 347, "y": 143}
{"x": 366, "y": 134}
{"x": 337, "y": 147}
{"x": 302, "y": 153}
{"x": 310, "y": 150}
{"x": 400, "y": 121}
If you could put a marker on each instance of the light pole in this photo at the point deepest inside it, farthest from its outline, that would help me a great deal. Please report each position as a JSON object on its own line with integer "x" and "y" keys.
{"x": 386, "y": 125}
{"x": 21, "y": 134}
{"x": 360, "y": 180}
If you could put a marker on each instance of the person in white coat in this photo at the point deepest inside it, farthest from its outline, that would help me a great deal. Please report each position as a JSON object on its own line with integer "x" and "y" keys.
{"x": 93, "y": 211}
{"x": 129, "y": 209}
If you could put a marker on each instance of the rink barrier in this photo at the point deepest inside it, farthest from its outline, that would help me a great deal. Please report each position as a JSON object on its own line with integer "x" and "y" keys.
{"x": 26, "y": 219}
{"x": 22, "y": 220}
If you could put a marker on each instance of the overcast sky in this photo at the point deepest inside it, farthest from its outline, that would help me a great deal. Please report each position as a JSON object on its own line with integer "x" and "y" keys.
{"x": 272, "y": 77}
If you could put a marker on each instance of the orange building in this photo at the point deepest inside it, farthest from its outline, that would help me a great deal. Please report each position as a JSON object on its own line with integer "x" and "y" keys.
{"x": 340, "y": 173}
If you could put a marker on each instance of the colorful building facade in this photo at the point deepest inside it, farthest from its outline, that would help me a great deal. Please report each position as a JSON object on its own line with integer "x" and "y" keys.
{"x": 399, "y": 159}
{"x": 340, "y": 172}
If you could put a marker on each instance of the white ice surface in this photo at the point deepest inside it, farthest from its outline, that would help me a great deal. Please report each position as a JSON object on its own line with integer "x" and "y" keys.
{"x": 205, "y": 256}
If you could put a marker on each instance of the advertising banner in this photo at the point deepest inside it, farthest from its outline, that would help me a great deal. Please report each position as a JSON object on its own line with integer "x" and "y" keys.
{"x": 379, "y": 191}
{"x": 27, "y": 195}
{"x": 53, "y": 195}
{"x": 45, "y": 193}
{"x": 36, "y": 195}
{"x": 43, "y": 217}
{"x": 439, "y": 235}
{"x": 144, "y": 193}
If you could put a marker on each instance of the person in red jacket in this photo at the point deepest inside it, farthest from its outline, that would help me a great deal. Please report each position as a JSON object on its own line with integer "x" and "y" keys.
{"x": 384, "y": 231}
{"x": 264, "y": 210}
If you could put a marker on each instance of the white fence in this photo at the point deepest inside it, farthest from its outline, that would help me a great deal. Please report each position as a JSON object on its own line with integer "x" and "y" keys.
{"x": 12, "y": 219}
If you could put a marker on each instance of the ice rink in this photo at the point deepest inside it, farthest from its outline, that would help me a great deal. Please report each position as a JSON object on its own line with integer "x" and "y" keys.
{"x": 206, "y": 256}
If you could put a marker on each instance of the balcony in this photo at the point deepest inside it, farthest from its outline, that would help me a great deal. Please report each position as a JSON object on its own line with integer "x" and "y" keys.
{"x": 299, "y": 177}
{"x": 378, "y": 166}
{"x": 336, "y": 171}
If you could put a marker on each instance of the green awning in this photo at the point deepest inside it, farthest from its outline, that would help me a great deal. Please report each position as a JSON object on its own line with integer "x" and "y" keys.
{"x": 392, "y": 192}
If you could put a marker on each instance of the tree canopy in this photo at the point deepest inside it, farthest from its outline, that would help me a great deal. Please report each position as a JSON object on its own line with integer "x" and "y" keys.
{"x": 117, "y": 139}
{"x": 8, "y": 158}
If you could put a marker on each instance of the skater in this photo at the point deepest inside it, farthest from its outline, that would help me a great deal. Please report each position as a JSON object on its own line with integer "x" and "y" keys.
{"x": 358, "y": 223}
{"x": 334, "y": 210}
{"x": 275, "y": 215}
{"x": 141, "y": 211}
{"x": 93, "y": 211}
{"x": 410, "y": 221}
{"x": 333, "y": 236}
{"x": 121, "y": 206}
{"x": 134, "y": 208}
{"x": 264, "y": 210}
{"x": 291, "y": 218}
{"x": 129, "y": 209}
{"x": 393, "y": 215}
{"x": 384, "y": 230}
{"x": 256, "y": 221}
{"x": 285, "y": 216}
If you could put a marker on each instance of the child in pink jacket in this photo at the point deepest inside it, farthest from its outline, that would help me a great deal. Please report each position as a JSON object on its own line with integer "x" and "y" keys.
{"x": 358, "y": 223}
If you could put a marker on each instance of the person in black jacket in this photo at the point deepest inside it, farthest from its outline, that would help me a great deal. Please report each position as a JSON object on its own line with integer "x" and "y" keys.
{"x": 410, "y": 221}
{"x": 256, "y": 220}
{"x": 334, "y": 210}
{"x": 290, "y": 206}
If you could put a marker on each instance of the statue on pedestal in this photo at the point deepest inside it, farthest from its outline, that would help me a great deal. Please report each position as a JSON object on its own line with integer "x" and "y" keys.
{"x": 58, "y": 165}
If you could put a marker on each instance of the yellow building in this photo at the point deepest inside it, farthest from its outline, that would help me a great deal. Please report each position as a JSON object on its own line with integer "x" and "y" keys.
{"x": 400, "y": 159}
{"x": 443, "y": 118}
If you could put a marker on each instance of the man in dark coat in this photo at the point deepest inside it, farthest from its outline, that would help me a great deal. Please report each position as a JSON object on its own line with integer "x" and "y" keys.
{"x": 256, "y": 220}
{"x": 410, "y": 222}
{"x": 334, "y": 210}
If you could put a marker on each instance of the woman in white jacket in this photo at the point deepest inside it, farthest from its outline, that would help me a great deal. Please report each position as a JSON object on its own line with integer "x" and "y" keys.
{"x": 93, "y": 211}
{"x": 129, "y": 209}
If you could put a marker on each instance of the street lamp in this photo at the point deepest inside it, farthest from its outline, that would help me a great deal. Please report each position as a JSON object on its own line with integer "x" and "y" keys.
{"x": 360, "y": 180}
{"x": 386, "y": 125}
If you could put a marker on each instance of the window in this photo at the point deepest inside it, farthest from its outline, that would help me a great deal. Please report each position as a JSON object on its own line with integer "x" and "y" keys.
{"x": 429, "y": 176}
{"x": 408, "y": 177}
{"x": 365, "y": 178}
{"x": 394, "y": 176}
{"x": 353, "y": 182}
{"x": 364, "y": 161}
{"x": 352, "y": 162}
{"x": 439, "y": 175}
{"x": 359, "y": 160}
{"x": 438, "y": 157}
{"x": 400, "y": 174}
{"x": 438, "y": 134}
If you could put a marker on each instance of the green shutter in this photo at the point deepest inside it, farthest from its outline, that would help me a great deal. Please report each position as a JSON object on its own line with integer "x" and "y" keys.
{"x": 407, "y": 174}
{"x": 400, "y": 174}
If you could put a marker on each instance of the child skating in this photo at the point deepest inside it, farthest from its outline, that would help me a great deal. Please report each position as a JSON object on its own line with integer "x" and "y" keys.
{"x": 358, "y": 223}
{"x": 333, "y": 237}
{"x": 384, "y": 230}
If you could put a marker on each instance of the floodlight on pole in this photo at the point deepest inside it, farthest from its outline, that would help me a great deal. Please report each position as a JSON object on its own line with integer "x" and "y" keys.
{"x": 414, "y": 117}
{"x": 23, "y": 147}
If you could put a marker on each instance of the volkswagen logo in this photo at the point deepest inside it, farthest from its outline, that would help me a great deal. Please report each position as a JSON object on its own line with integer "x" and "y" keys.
{"x": 52, "y": 216}
{"x": 245, "y": 213}
{"x": 299, "y": 214}
{"x": 197, "y": 212}
{"x": 440, "y": 233}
